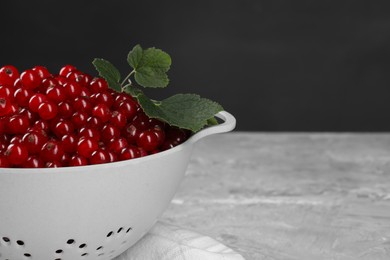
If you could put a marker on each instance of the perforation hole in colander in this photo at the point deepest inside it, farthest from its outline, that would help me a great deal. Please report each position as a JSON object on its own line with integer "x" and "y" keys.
{"x": 72, "y": 249}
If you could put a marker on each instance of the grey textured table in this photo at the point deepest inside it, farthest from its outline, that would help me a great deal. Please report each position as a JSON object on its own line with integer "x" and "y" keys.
{"x": 290, "y": 196}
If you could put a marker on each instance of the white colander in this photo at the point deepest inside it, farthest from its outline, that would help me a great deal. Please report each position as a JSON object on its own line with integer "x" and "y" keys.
{"x": 90, "y": 212}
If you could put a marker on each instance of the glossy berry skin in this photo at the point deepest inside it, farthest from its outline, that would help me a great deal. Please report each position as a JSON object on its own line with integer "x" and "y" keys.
{"x": 5, "y": 105}
{"x": 36, "y": 100}
{"x": 72, "y": 119}
{"x": 30, "y": 79}
{"x": 53, "y": 164}
{"x": 22, "y": 96}
{"x": 99, "y": 156}
{"x": 77, "y": 160}
{"x": 128, "y": 108}
{"x": 56, "y": 94}
{"x": 7, "y": 92}
{"x": 51, "y": 151}
{"x": 42, "y": 71}
{"x": 98, "y": 85}
{"x": 90, "y": 133}
{"x": 32, "y": 117}
{"x": 65, "y": 110}
{"x": 33, "y": 162}
{"x": 118, "y": 119}
{"x": 117, "y": 145}
{"x": 17, "y": 124}
{"x": 94, "y": 122}
{"x": 129, "y": 152}
{"x": 150, "y": 139}
{"x": 64, "y": 127}
{"x": 102, "y": 98}
{"x": 48, "y": 110}
{"x": 66, "y": 69}
{"x": 34, "y": 142}
{"x": 82, "y": 104}
{"x": 102, "y": 112}
{"x": 86, "y": 146}
{"x": 69, "y": 143}
{"x": 16, "y": 154}
{"x": 109, "y": 132}
{"x": 8, "y": 75}
{"x": 79, "y": 119}
{"x": 48, "y": 83}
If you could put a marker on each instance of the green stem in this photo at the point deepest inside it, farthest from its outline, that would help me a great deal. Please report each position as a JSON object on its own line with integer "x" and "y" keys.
{"x": 127, "y": 77}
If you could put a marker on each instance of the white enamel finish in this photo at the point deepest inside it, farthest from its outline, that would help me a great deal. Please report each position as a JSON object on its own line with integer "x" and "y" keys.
{"x": 103, "y": 209}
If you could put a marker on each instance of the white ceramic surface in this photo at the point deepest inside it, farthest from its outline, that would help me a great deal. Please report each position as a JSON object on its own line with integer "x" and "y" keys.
{"x": 90, "y": 212}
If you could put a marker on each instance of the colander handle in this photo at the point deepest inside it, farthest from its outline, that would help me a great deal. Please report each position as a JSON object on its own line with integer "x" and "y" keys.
{"x": 228, "y": 125}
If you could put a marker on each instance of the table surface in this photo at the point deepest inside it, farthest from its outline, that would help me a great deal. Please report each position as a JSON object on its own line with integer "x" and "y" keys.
{"x": 290, "y": 196}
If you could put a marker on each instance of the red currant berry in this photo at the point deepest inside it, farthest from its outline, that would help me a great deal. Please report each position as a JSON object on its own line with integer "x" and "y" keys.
{"x": 176, "y": 134}
{"x": 118, "y": 119}
{"x": 22, "y": 96}
{"x": 8, "y": 75}
{"x": 65, "y": 110}
{"x": 54, "y": 164}
{"x": 42, "y": 71}
{"x": 82, "y": 104}
{"x": 155, "y": 123}
{"x": 35, "y": 101}
{"x": 61, "y": 80}
{"x": 112, "y": 156}
{"x": 90, "y": 133}
{"x": 30, "y": 79}
{"x": 94, "y": 122}
{"x": 47, "y": 110}
{"x": 49, "y": 83}
{"x": 72, "y": 90}
{"x": 117, "y": 145}
{"x": 78, "y": 160}
{"x": 51, "y": 151}
{"x": 110, "y": 132}
{"x": 34, "y": 142}
{"x": 98, "y": 85}
{"x": 64, "y": 127}
{"x": 5, "y": 105}
{"x": 17, "y": 124}
{"x": 7, "y": 92}
{"x": 66, "y": 69}
{"x": 33, "y": 162}
{"x": 86, "y": 146}
{"x": 41, "y": 124}
{"x": 142, "y": 152}
{"x": 99, "y": 156}
{"x": 102, "y": 98}
{"x": 102, "y": 112}
{"x": 129, "y": 152}
{"x": 85, "y": 92}
{"x": 69, "y": 143}
{"x": 150, "y": 139}
{"x": 16, "y": 154}
{"x": 32, "y": 117}
{"x": 56, "y": 94}
{"x": 65, "y": 159}
{"x": 79, "y": 119}
{"x": 128, "y": 108}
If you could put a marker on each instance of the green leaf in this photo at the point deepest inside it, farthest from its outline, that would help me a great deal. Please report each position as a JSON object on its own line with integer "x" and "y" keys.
{"x": 135, "y": 56}
{"x": 188, "y": 111}
{"x": 212, "y": 121}
{"x": 109, "y": 73}
{"x": 150, "y": 66}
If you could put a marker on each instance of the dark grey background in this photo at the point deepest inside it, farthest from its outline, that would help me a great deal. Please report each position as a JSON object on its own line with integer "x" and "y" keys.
{"x": 276, "y": 65}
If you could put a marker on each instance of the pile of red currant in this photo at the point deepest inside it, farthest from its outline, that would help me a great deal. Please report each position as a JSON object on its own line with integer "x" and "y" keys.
{"x": 73, "y": 119}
